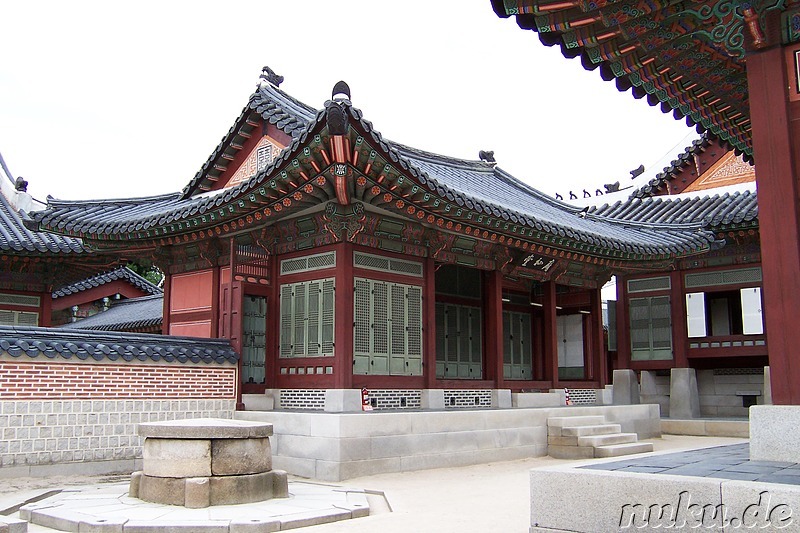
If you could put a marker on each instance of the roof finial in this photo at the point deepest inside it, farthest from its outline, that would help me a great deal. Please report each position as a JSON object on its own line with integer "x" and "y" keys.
{"x": 341, "y": 91}
{"x": 487, "y": 155}
{"x": 268, "y": 75}
{"x": 21, "y": 185}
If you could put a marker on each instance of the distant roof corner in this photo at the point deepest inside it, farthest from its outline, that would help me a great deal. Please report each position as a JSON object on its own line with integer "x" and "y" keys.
{"x": 269, "y": 75}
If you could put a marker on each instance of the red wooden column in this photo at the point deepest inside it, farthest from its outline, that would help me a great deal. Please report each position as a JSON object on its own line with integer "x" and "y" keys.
{"x": 493, "y": 307}
{"x": 623, "y": 325}
{"x": 599, "y": 359}
{"x": 343, "y": 335}
{"x": 680, "y": 335}
{"x": 550, "y": 331}
{"x": 429, "y": 323}
{"x": 167, "y": 286}
{"x": 776, "y": 148}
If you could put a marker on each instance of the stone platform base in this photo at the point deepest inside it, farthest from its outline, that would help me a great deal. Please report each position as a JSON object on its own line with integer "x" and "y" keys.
{"x": 337, "y": 446}
{"x": 199, "y": 492}
{"x": 109, "y": 509}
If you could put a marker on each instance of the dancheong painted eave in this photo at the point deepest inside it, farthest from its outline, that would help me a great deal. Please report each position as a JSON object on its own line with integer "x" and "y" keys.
{"x": 455, "y": 196}
{"x": 687, "y": 57}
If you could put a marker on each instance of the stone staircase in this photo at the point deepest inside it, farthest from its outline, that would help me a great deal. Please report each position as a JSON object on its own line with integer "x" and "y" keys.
{"x": 587, "y": 437}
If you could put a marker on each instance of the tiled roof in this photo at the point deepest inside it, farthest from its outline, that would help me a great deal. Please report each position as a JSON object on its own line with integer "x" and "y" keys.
{"x": 70, "y": 344}
{"x": 275, "y": 107}
{"x": 125, "y": 315}
{"x": 712, "y": 211}
{"x": 121, "y": 273}
{"x": 477, "y": 186}
{"x": 686, "y": 57}
{"x": 661, "y": 179}
{"x": 15, "y": 238}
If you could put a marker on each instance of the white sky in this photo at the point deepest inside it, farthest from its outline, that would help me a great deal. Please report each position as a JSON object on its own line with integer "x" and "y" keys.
{"x": 112, "y": 100}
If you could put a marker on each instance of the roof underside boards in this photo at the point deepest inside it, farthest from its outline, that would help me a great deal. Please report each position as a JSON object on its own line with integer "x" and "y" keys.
{"x": 130, "y": 314}
{"x": 17, "y": 239}
{"x": 687, "y": 57}
{"x": 121, "y": 273}
{"x": 716, "y": 212}
{"x": 60, "y": 343}
{"x": 474, "y": 194}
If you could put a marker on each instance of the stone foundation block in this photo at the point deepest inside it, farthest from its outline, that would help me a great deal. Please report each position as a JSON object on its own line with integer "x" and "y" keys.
{"x": 774, "y": 433}
{"x": 136, "y": 479}
{"x": 230, "y": 490}
{"x": 280, "y": 484}
{"x": 197, "y": 493}
{"x": 626, "y": 388}
{"x": 12, "y": 525}
{"x": 684, "y": 399}
{"x": 233, "y": 457}
{"x": 166, "y": 490}
{"x": 177, "y": 457}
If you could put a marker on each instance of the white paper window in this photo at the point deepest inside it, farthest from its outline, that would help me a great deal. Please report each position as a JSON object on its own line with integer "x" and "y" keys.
{"x": 752, "y": 316}
{"x": 696, "y": 314}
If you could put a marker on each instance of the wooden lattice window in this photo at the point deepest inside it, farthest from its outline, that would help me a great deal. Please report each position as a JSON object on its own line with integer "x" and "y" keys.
{"x": 517, "y": 346}
{"x": 388, "y": 328}
{"x": 459, "y": 341}
{"x": 307, "y": 318}
{"x": 651, "y": 328}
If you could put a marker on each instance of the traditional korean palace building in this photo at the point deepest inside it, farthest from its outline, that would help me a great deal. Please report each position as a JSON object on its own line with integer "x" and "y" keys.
{"x": 332, "y": 257}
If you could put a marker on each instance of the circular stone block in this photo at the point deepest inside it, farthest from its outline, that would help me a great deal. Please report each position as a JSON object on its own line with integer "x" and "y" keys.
{"x": 234, "y": 457}
{"x": 205, "y": 428}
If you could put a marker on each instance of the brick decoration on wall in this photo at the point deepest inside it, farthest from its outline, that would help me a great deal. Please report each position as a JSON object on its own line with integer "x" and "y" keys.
{"x": 583, "y": 396}
{"x": 396, "y": 399}
{"x": 46, "y": 432}
{"x": 467, "y": 399}
{"x": 304, "y": 399}
{"x": 67, "y": 381}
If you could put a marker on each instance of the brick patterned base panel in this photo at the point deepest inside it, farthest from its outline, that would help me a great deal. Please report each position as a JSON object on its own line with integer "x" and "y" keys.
{"x": 47, "y": 432}
{"x": 59, "y": 380}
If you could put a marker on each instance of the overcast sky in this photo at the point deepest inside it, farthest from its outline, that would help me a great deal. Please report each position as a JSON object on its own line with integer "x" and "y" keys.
{"x": 112, "y": 100}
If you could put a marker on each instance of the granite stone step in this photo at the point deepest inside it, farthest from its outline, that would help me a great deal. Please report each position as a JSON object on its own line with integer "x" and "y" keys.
{"x": 572, "y": 421}
{"x": 583, "y": 431}
{"x": 570, "y": 452}
{"x": 616, "y": 450}
{"x": 607, "y": 440}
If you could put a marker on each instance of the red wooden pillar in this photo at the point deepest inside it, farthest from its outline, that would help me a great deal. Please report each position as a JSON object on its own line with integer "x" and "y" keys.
{"x": 493, "y": 307}
{"x": 623, "y": 325}
{"x": 550, "y": 331}
{"x": 680, "y": 335}
{"x": 776, "y": 149}
{"x": 343, "y": 336}
{"x": 429, "y": 323}
{"x": 167, "y": 295}
{"x": 599, "y": 359}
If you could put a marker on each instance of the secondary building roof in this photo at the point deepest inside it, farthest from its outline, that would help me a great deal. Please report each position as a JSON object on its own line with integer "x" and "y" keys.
{"x": 132, "y": 314}
{"x": 121, "y": 273}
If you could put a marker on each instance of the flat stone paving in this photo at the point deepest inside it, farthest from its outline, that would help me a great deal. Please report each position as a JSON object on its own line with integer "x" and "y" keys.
{"x": 723, "y": 462}
{"x": 109, "y": 508}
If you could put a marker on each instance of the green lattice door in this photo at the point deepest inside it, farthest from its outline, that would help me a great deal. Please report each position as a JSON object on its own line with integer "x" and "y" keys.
{"x": 387, "y": 328}
{"x": 459, "y": 341}
{"x": 517, "y": 346}
{"x": 307, "y": 318}
{"x": 254, "y": 340}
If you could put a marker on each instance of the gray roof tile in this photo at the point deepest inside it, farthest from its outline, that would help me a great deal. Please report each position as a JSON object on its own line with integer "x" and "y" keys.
{"x": 63, "y": 343}
{"x": 128, "y": 314}
{"x": 121, "y": 273}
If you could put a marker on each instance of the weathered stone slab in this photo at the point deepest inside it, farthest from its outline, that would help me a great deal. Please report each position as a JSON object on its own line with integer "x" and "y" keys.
{"x": 240, "y": 456}
{"x": 684, "y": 399}
{"x": 176, "y": 457}
{"x": 107, "y": 525}
{"x": 255, "y": 525}
{"x": 197, "y": 493}
{"x": 626, "y": 388}
{"x": 229, "y": 490}
{"x": 166, "y": 490}
{"x": 136, "y": 479}
{"x": 205, "y": 428}
{"x": 774, "y": 433}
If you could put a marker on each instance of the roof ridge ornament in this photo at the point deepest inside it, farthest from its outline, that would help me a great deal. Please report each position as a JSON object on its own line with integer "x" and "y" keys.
{"x": 341, "y": 91}
{"x": 487, "y": 156}
{"x": 269, "y": 75}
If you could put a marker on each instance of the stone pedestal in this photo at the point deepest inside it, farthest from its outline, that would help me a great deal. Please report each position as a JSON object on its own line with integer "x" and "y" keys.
{"x": 501, "y": 398}
{"x": 774, "y": 433}
{"x": 201, "y": 462}
{"x": 626, "y": 388}
{"x": 767, "y": 395}
{"x": 684, "y": 399}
